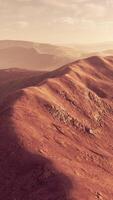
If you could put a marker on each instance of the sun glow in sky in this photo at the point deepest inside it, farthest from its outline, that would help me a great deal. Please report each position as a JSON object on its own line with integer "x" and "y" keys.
{"x": 57, "y": 21}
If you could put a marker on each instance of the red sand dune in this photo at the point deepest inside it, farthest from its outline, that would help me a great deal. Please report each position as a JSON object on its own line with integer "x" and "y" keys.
{"x": 56, "y": 134}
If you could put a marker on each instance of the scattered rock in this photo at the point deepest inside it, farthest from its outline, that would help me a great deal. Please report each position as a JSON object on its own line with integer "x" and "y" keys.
{"x": 99, "y": 196}
{"x": 89, "y": 130}
{"x": 62, "y": 116}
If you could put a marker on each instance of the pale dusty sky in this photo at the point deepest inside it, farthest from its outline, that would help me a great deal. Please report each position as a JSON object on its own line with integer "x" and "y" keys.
{"x": 57, "y": 21}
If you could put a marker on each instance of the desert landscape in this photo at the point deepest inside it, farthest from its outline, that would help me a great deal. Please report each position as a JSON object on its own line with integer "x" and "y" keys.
{"x": 56, "y": 132}
{"x": 56, "y": 100}
{"x": 45, "y": 56}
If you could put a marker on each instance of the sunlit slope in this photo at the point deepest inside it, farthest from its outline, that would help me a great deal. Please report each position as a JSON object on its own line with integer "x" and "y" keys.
{"x": 57, "y": 135}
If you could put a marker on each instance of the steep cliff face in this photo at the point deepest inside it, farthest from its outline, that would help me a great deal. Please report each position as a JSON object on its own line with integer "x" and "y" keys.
{"x": 56, "y": 135}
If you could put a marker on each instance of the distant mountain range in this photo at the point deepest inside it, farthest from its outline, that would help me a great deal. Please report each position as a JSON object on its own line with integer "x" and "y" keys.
{"x": 39, "y": 56}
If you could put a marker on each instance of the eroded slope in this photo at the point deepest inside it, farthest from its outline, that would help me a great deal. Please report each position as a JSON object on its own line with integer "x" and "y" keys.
{"x": 56, "y": 135}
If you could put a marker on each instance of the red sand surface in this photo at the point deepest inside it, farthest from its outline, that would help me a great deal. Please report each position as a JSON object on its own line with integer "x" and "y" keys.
{"x": 56, "y": 134}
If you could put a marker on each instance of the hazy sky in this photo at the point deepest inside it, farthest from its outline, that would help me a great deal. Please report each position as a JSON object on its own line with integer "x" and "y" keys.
{"x": 65, "y": 21}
